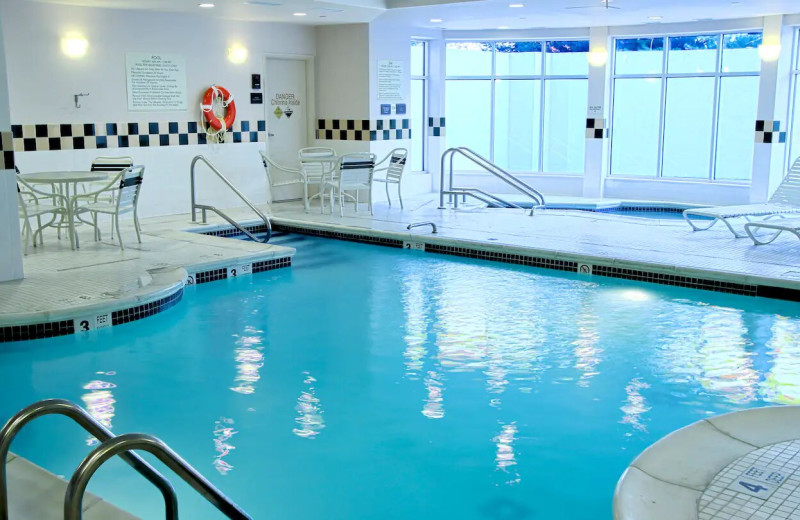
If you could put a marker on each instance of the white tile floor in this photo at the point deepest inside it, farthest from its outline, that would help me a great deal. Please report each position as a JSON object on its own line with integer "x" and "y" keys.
{"x": 664, "y": 245}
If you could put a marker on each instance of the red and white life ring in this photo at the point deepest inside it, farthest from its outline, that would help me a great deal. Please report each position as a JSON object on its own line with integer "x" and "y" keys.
{"x": 208, "y": 108}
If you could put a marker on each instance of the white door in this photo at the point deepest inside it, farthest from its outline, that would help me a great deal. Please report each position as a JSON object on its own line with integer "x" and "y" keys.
{"x": 286, "y": 102}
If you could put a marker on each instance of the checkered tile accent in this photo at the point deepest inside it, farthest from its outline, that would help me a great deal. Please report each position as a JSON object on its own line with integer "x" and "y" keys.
{"x": 6, "y": 151}
{"x": 595, "y": 128}
{"x": 436, "y": 126}
{"x": 769, "y": 132}
{"x": 49, "y": 137}
{"x": 363, "y": 129}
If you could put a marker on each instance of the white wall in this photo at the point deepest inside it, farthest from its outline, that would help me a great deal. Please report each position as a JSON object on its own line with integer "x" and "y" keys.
{"x": 41, "y": 89}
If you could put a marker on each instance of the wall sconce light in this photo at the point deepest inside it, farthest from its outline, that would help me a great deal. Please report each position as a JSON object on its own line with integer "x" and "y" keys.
{"x": 597, "y": 57}
{"x": 769, "y": 51}
{"x": 74, "y": 45}
{"x": 237, "y": 54}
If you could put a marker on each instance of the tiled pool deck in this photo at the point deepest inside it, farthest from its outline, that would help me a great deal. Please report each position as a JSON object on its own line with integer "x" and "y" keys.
{"x": 62, "y": 284}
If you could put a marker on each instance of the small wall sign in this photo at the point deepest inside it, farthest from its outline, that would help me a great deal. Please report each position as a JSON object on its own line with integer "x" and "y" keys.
{"x": 255, "y": 81}
{"x": 401, "y": 108}
{"x": 386, "y": 110}
{"x": 256, "y": 98}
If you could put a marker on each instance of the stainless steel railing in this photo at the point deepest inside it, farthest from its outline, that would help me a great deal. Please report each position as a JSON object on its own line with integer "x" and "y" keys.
{"x": 122, "y": 445}
{"x": 88, "y": 423}
{"x": 453, "y": 191}
{"x": 205, "y": 207}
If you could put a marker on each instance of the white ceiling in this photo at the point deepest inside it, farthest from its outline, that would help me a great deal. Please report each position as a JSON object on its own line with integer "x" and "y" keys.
{"x": 462, "y": 14}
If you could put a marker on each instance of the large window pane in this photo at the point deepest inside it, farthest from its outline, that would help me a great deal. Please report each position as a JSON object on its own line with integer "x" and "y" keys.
{"x": 468, "y": 58}
{"x": 468, "y": 113}
{"x": 740, "y": 52}
{"x": 418, "y": 127}
{"x": 693, "y": 54}
{"x": 567, "y": 58}
{"x": 518, "y": 58}
{"x": 417, "y": 58}
{"x": 516, "y": 124}
{"x": 637, "y": 111}
{"x": 794, "y": 143}
{"x": 737, "y": 111}
{"x": 639, "y": 56}
{"x": 565, "y": 125}
{"x": 688, "y": 127}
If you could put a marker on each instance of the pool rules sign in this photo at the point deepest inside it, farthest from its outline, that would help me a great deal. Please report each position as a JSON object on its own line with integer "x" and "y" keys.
{"x": 156, "y": 82}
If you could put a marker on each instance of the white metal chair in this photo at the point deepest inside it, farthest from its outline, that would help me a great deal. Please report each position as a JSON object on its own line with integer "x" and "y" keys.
{"x": 278, "y": 175}
{"x": 112, "y": 166}
{"x": 785, "y": 201}
{"x": 37, "y": 203}
{"x": 354, "y": 173}
{"x": 125, "y": 189}
{"x": 393, "y": 172}
{"x": 316, "y": 164}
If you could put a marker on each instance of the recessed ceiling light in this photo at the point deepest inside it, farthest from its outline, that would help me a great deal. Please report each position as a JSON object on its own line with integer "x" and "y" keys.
{"x": 205, "y": 6}
{"x": 299, "y": 14}
{"x": 504, "y": 27}
{"x": 516, "y": 5}
{"x": 654, "y": 18}
{"x": 436, "y": 20}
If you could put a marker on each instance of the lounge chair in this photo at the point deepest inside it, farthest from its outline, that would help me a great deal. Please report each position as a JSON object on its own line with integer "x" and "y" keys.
{"x": 791, "y": 225}
{"x": 785, "y": 201}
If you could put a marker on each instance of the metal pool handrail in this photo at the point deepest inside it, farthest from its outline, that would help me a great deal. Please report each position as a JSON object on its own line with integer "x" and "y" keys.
{"x": 122, "y": 445}
{"x": 91, "y": 425}
{"x": 206, "y": 207}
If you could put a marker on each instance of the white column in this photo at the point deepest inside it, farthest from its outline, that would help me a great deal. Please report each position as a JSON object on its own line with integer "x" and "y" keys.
{"x": 773, "y": 97}
{"x": 436, "y": 104}
{"x": 594, "y": 169}
{"x": 10, "y": 244}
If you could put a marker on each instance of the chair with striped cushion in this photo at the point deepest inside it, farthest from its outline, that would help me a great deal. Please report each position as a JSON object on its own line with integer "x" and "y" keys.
{"x": 354, "y": 174}
{"x": 112, "y": 166}
{"x": 393, "y": 172}
{"x": 125, "y": 189}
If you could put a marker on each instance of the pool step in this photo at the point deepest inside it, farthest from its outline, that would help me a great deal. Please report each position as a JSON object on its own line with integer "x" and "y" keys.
{"x": 36, "y": 494}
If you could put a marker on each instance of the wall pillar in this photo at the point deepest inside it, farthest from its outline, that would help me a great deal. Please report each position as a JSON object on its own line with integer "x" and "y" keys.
{"x": 770, "y": 127}
{"x": 10, "y": 243}
{"x": 594, "y": 169}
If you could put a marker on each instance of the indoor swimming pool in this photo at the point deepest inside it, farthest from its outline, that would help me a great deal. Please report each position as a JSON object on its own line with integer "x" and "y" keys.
{"x": 369, "y": 382}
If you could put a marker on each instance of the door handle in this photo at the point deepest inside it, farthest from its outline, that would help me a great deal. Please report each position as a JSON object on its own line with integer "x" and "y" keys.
{"x": 271, "y": 135}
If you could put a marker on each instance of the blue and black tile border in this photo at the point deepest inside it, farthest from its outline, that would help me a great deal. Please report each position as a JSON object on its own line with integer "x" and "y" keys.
{"x": 55, "y": 137}
{"x": 769, "y": 132}
{"x": 436, "y": 126}
{"x": 6, "y": 151}
{"x": 363, "y": 129}
{"x": 64, "y": 327}
{"x": 764, "y": 291}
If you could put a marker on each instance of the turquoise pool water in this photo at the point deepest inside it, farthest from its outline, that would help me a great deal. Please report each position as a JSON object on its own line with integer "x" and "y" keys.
{"x": 367, "y": 382}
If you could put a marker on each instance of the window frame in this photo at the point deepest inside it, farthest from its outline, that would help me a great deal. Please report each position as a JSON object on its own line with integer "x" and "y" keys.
{"x": 794, "y": 101}
{"x": 663, "y": 77}
{"x": 493, "y": 77}
{"x": 425, "y": 78}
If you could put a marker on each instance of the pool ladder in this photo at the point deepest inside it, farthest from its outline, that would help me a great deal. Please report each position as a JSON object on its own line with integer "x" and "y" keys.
{"x": 453, "y": 191}
{"x": 110, "y": 446}
{"x": 205, "y": 207}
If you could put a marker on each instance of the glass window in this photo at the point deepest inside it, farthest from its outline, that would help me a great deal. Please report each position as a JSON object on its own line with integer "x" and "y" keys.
{"x": 418, "y": 126}
{"x": 519, "y": 58}
{"x": 693, "y": 54}
{"x": 639, "y": 56}
{"x": 688, "y": 127}
{"x": 468, "y": 58}
{"x": 501, "y": 113}
{"x": 567, "y": 58}
{"x": 635, "y": 142}
{"x": 468, "y": 110}
{"x": 740, "y": 52}
{"x": 517, "y": 107}
{"x": 693, "y": 120}
{"x": 737, "y": 111}
{"x": 564, "y": 125}
{"x": 418, "y": 48}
